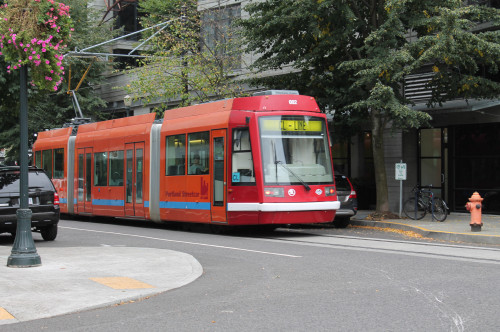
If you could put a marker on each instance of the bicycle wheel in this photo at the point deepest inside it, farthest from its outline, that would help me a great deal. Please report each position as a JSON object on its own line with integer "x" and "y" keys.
{"x": 440, "y": 210}
{"x": 414, "y": 211}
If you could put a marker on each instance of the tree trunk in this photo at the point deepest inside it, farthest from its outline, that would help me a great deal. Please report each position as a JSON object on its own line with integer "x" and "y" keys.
{"x": 379, "y": 161}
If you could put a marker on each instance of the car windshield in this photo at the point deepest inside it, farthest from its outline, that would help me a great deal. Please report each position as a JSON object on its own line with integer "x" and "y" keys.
{"x": 9, "y": 181}
{"x": 295, "y": 150}
{"x": 341, "y": 183}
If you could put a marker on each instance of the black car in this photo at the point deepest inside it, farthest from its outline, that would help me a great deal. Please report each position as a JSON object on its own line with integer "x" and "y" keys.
{"x": 348, "y": 201}
{"x": 42, "y": 197}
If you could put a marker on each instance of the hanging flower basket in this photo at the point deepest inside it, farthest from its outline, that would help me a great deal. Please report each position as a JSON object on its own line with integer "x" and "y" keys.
{"x": 34, "y": 33}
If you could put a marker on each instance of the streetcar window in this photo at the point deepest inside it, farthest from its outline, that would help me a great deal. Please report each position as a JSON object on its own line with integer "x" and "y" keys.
{"x": 80, "y": 177}
{"x": 198, "y": 152}
{"x": 116, "y": 168}
{"x": 47, "y": 162}
{"x": 295, "y": 150}
{"x": 100, "y": 168}
{"x": 176, "y": 155}
{"x": 242, "y": 162}
{"x": 38, "y": 159}
{"x": 58, "y": 163}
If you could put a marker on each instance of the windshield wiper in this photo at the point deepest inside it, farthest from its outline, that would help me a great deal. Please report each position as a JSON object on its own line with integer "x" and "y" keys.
{"x": 278, "y": 162}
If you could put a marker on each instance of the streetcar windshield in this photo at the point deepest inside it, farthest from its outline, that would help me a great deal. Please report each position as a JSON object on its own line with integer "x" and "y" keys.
{"x": 295, "y": 150}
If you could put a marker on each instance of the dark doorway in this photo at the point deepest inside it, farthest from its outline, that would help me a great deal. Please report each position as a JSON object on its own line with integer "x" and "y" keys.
{"x": 475, "y": 161}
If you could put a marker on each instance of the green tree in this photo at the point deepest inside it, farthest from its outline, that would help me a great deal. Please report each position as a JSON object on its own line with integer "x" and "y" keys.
{"x": 53, "y": 109}
{"x": 192, "y": 59}
{"x": 354, "y": 55}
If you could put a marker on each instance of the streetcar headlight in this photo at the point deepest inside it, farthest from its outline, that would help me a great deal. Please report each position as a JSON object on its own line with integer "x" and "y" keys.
{"x": 274, "y": 192}
{"x": 329, "y": 191}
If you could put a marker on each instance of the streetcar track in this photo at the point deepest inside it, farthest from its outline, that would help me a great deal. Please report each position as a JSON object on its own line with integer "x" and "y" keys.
{"x": 474, "y": 252}
{"x": 396, "y": 241}
{"x": 393, "y": 251}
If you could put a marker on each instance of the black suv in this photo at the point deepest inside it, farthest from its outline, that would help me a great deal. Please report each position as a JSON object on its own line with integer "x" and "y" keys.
{"x": 43, "y": 201}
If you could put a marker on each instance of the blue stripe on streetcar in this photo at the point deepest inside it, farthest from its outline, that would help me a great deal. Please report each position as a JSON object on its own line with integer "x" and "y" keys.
{"x": 109, "y": 202}
{"x": 63, "y": 200}
{"x": 163, "y": 205}
{"x": 185, "y": 205}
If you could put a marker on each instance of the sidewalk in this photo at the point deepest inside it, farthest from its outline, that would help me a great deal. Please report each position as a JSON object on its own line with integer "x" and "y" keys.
{"x": 455, "y": 228}
{"x": 81, "y": 278}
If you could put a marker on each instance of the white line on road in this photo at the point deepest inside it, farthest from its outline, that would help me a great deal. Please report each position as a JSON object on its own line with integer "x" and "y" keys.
{"x": 184, "y": 242}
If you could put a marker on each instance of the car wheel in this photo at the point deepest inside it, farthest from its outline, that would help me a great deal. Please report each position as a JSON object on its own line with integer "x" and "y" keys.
{"x": 49, "y": 233}
{"x": 341, "y": 222}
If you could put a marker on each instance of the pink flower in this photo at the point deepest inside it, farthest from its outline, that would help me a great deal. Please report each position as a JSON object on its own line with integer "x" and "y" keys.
{"x": 47, "y": 61}
{"x": 30, "y": 57}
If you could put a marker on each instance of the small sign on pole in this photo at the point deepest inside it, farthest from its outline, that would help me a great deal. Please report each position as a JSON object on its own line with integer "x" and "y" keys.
{"x": 401, "y": 176}
{"x": 400, "y": 171}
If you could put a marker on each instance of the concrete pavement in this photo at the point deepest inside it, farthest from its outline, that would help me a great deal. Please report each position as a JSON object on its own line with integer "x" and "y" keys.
{"x": 81, "y": 278}
{"x": 456, "y": 227}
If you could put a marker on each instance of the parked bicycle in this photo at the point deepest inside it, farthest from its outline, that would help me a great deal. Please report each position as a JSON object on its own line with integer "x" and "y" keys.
{"x": 424, "y": 201}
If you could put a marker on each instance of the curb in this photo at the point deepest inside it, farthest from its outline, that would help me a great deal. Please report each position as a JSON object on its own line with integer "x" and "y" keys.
{"x": 437, "y": 235}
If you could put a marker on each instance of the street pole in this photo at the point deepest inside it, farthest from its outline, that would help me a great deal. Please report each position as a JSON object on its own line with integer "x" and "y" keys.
{"x": 23, "y": 252}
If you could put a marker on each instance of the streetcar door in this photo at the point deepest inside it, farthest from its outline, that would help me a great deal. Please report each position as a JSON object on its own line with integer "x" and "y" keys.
{"x": 219, "y": 176}
{"x": 134, "y": 184}
{"x": 84, "y": 185}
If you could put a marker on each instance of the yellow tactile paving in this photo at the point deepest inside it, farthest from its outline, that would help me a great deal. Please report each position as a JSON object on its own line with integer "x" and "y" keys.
{"x": 122, "y": 283}
{"x": 4, "y": 314}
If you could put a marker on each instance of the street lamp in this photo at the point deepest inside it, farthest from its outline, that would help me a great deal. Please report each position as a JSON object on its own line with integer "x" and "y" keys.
{"x": 23, "y": 252}
{"x": 127, "y": 101}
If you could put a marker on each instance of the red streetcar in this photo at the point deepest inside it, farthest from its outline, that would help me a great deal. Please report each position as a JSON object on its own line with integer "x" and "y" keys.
{"x": 262, "y": 160}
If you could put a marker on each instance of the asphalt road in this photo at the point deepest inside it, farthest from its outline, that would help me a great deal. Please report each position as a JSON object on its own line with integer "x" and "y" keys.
{"x": 298, "y": 279}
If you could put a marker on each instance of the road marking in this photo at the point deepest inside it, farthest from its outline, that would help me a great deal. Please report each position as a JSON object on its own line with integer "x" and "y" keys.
{"x": 4, "y": 314}
{"x": 122, "y": 283}
{"x": 183, "y": 242}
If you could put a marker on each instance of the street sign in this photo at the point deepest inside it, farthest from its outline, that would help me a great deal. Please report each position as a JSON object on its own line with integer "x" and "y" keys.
{"x": 400, "y": 171}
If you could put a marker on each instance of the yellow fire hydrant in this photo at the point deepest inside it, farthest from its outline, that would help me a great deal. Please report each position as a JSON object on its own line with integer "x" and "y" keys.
{"x": 474, "y": 206}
